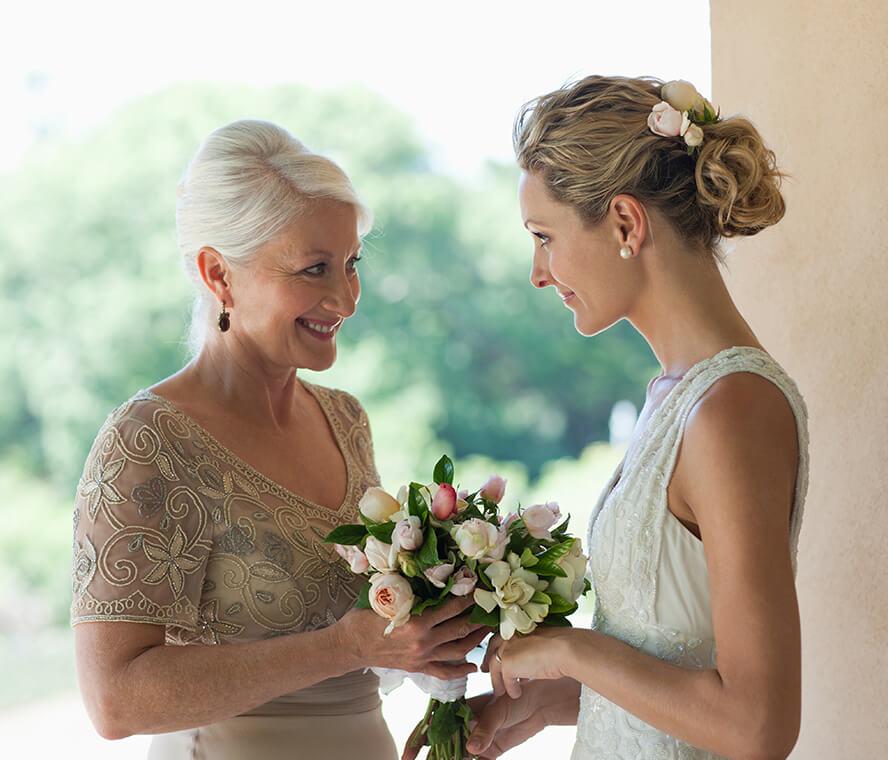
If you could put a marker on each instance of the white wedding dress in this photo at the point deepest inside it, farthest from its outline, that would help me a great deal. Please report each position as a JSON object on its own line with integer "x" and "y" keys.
{"x": 649, "y": 571}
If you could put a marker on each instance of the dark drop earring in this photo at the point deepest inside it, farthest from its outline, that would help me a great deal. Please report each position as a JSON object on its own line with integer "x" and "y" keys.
{"x": 224, "y": 321}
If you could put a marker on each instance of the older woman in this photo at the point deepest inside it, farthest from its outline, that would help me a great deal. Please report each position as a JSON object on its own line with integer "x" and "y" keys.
{"x": 206, "y": 607}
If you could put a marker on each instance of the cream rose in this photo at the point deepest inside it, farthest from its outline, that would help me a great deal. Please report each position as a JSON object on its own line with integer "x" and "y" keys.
{"x": 693, "y": 136}
{"x": 679, "y": 94}
{"x": 391, "y": 597}
{"x": 574, "y": 564}
{"x": 476, "y": 537}
{"x": 377, "y": 505}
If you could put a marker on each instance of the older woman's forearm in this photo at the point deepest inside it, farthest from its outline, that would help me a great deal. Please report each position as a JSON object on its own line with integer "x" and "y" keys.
{"x": 169, "y": 688}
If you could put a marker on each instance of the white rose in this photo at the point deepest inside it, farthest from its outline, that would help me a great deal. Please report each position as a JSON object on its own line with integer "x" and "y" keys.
{"x": 678, "y": 93}
{"x": 476, "y": 537}
{"x": 438, "y": 574}
{"x": 574, "y": 564}
{"x": 391, "y": 597}
{"x": 380, "y": 555}
{"x": 693, "y": 136}
{"x": 377, "y": 505}
{"x": 356, "y": 559}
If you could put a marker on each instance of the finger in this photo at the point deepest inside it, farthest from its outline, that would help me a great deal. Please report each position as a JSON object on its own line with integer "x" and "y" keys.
{"x": 495, "y": 668}
{"x": 454, "y": 606}
{"x": 457, "y": 650}
{"x": 454, "y": 629}
{"x": 484, "y": 732}
{"x": 447, "y": 671}
{"x": 492, "y": 646}
{"x": 513, "y": 687}
{"x": 415, "y": 743}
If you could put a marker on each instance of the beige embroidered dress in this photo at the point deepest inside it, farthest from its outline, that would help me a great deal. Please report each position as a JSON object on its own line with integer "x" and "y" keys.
{"x": 649, "y": 571}
{"x": 172, "y": 528}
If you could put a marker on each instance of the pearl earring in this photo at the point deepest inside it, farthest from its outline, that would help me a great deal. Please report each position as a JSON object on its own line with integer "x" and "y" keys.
{"x": 626, "y": 252}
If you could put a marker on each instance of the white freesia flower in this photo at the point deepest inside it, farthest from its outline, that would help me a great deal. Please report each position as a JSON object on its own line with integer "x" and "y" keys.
{"x": 514, "y": 587}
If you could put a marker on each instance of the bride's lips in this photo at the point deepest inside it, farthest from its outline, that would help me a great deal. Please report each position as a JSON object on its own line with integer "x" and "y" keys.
{"x": 319, "y": 329}
{"x": 565, "y": 297}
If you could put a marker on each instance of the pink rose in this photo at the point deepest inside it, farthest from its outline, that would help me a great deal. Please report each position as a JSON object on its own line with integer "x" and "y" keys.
{"x": 464, "y": 581}
{"x": 408, "y": 533}
{"x": 494, "y": 489}
{"x": 391, "y": 597}
{"x": 356, "y": 559}
{"x": 540, "y": 517}
{"x": 438, "y": 574}
{"x": 507, "y": 520}
{"x": 665, "y": 120}
{"x": 444, "y": 502}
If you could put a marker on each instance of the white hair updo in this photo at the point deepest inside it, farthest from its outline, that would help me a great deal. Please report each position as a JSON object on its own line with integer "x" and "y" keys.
{"x": 247, "y": 183}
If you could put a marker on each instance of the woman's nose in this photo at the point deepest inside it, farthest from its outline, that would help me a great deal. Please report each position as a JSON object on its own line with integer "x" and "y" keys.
{"x": 539, "y": 270}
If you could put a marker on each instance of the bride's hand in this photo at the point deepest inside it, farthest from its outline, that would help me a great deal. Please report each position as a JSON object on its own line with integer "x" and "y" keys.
{"x": 538, "y": 655}
{"x": 435, "y": 642}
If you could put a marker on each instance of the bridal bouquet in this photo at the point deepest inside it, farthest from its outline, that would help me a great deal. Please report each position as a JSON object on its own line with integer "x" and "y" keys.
{"x": 432, "y": 541}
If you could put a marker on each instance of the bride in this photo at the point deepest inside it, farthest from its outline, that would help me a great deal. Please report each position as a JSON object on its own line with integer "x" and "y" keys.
{"x": 627, "y": 186}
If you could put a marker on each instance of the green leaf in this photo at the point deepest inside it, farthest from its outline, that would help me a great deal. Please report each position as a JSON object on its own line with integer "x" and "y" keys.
{"x": 554, "y": 553}
{"x": 428, "y": 555}
{"x": 431, "y": 603}
{"x": 480, "y": 616}
{"x": 527, "y": 558}
{"x": 560, "y": 605}
{"x": 382, "y": 531}
{"x": 464, "y": 711}
{"x": 444, "y": 723}
{"x": 347, "y": 535}
{"x": 444, "y": 470}
{"x": 540, "y": 598}
{"x": 367, "y": 521}
{"x": 416, "y": 505}
{"x": 363, "y": 600}
{"x": 557, "y": 620}
{"x": 548, "y": 569}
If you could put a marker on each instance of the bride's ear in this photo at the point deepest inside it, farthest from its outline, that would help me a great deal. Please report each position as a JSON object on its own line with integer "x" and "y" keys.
{"x": 629, "y": 222}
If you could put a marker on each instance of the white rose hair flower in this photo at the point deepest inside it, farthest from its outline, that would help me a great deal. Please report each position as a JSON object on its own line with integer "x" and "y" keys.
{"x": 682, "y": 112}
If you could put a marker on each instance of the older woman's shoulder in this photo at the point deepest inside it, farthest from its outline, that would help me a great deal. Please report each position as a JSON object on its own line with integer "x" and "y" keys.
{"x": 343, "y": 403}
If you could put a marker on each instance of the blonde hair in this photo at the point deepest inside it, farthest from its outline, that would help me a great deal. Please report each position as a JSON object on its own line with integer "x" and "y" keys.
{"x": 590, "y": 142}
{"x": 247, "y": 183}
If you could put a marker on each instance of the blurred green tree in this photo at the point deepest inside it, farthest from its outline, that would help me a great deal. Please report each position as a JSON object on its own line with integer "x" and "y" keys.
{"x": 95, "y": 303}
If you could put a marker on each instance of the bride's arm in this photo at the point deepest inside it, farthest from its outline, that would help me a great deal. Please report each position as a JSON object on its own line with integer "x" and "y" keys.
{"x": 133, "y": 684}
{"x": 736, "y": 474}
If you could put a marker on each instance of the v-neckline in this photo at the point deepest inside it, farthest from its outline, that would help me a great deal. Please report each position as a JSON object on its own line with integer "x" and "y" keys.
{"x": 237, "y": 461}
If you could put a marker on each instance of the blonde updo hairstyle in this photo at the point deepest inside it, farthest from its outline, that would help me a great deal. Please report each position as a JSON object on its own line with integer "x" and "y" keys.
{"x": 248, "y": 182}
{"x": 590, "y": 141}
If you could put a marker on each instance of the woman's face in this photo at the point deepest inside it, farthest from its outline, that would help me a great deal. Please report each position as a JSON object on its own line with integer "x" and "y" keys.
{"x": 290, "y": 301}
{"x": 580, "y": 261}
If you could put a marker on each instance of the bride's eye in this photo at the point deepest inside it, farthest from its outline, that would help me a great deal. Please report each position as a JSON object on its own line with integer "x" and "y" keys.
{"x": 544, "y": 239}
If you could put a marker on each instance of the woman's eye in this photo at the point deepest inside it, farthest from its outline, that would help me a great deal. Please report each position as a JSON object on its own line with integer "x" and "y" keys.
{"x": 544, "y": 239}
{"x": 317, "y": 269}
{"x": 353, "y": 263}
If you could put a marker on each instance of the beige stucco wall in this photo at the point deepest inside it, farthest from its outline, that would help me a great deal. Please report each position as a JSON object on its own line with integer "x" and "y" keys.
{"x": 813, "y": 74}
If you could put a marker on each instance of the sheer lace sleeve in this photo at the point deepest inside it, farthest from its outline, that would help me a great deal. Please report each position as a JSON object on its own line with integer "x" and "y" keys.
{"x": 142, "y": 528}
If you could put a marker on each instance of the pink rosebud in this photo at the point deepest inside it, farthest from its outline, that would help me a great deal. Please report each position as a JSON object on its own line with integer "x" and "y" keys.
{"x": 408, "y": 533}
{"x": 356, "y": 559}
{"x": 464, "y": 581}
{"x": 507, "y": 520}
{"x": 540, "y": 517}
{"x": 494, "y": 489}
{"x": 439, "y": 574}
{"x": 664, "y": 120}
{"x": 444, "y": 502}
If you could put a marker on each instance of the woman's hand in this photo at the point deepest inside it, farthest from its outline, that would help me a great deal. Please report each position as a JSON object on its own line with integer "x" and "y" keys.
{"x": 538, "y": 655}
{"x": 427, "y": 643}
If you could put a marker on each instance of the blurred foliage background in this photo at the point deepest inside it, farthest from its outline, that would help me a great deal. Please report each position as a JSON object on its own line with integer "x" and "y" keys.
{"x": 451, "y": 349}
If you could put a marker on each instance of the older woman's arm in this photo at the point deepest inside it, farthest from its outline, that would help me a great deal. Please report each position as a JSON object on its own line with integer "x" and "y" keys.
{"x": 132, "y": 683}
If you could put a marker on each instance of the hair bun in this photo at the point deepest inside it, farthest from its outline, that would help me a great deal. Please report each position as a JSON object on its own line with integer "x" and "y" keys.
{"x": 738, "y": 181}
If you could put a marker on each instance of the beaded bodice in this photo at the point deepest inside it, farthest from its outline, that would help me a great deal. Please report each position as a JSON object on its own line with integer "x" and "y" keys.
{"x": 649, "y": 572}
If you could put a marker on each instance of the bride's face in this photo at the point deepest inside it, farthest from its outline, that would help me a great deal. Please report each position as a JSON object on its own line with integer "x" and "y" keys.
{"x": 580, "y": 261}
{"x": 291, "y": 300}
